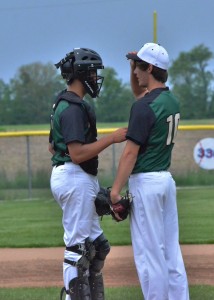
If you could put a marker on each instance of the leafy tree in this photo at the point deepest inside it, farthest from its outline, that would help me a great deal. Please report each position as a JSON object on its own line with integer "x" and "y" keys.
{"x": 192, "y": 82}
{"x": 29, "y": 96}
{"x": 115, "y": 99}
{"x": 34, "y": 87}
{"x": 5, "y": 103}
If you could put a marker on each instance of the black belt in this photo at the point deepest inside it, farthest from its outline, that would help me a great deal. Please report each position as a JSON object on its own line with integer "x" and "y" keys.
{"x": 79, "y": 248}
{"x": 70, "y": 262}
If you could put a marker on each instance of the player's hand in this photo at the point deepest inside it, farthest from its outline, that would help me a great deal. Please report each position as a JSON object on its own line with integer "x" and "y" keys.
{"x": 120, "y": 205}
{"x": 119, "y": 135}
{"x": 132, "y": 62}
{"x": 51, "y": 149}
{"x": 115, "y": 197}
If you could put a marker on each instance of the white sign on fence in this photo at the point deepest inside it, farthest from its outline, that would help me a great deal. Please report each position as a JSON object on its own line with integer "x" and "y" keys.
{"x": 204, "y": 153}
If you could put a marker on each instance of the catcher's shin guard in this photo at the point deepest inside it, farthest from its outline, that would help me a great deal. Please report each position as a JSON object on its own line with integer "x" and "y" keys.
{"x": 64, "y": 294}
{"x": 96, "y": 286}
{"x": 79, "y": 288}
{"x": 63, "y": 290}
{"x": 102, "y": 248}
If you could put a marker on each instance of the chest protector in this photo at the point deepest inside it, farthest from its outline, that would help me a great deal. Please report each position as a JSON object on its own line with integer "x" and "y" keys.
{"x": 90, "y": 166}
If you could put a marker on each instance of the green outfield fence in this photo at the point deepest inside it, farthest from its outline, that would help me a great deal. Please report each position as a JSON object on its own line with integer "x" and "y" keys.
{"x": 27, "y": 149}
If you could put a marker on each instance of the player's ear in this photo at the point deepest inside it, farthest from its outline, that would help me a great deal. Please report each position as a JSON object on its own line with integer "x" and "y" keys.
{"x": 150, "y": 67}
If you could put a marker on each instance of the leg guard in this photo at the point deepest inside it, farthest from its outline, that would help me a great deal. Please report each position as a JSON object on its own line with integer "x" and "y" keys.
{"x": 63, "y": 290}
{"x": 102, "y": 248}
{"x": 96, "y": 286}
{"x": 66, "y": 296}
{"x": 79, "y": 288}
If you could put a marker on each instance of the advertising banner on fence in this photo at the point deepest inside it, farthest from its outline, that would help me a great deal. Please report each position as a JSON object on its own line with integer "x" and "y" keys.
{"x": 204, "y": 153}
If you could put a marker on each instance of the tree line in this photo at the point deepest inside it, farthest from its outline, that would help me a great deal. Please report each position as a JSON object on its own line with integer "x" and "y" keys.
{"x": 29, "y": 96}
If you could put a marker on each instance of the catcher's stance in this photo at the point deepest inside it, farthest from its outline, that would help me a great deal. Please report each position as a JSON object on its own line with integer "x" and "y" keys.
{"x": 74, "y": 184}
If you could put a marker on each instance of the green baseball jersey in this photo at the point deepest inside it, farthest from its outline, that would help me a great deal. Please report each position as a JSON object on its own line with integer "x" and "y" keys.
{"x": 73, "y": 120}
{"x": 153, "y": 125}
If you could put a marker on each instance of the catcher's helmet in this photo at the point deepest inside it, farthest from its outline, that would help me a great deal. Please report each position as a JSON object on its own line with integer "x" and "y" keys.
{"x": 83, "y": 63}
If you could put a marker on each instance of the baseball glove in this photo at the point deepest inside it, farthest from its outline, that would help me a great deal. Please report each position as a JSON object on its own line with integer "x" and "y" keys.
{"x": 104, "y": 206}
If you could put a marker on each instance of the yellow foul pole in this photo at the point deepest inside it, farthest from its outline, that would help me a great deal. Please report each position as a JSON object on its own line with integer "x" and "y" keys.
{"x": 155, "y": 27}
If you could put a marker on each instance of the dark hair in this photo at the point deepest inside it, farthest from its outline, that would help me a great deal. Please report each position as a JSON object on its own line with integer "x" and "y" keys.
{"x": 159, "y": 74}
{"x": 142, "y": 65}
{"x": 70, "y": 81}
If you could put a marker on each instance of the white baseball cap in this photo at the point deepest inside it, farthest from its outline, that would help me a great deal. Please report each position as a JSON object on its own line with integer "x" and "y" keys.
{"x": 153, "y": 54}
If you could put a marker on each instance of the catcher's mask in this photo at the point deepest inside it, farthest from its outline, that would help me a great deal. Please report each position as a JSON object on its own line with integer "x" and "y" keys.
{"x": 83, "y": 64}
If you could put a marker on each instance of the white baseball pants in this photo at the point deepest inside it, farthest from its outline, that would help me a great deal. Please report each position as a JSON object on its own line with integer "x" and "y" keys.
{"x": 155, "y": 237}
{"x": 75, "y": 192}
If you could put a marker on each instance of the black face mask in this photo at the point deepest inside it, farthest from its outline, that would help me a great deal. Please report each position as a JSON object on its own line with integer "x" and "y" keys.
{"x": 92, "y": 82}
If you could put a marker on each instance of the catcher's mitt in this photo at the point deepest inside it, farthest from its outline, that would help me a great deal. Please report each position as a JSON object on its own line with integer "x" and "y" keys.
{"x": 104, "y": 205}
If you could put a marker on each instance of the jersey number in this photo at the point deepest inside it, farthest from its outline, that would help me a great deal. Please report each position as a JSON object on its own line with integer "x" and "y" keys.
{"x": 173, "y": 127}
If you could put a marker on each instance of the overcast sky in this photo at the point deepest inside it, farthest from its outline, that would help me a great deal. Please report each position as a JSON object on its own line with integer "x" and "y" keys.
{"x": 45, "y": 30}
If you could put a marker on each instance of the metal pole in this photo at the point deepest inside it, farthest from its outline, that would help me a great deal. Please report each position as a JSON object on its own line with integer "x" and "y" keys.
{"x": 113, "y": 161}
{"x": 29, "y": 168}
{"x": 155, "y": 27}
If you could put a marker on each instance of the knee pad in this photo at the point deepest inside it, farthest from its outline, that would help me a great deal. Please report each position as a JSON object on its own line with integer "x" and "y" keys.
{"x": 87, "y": 251}
{"x": 102, "y": 248}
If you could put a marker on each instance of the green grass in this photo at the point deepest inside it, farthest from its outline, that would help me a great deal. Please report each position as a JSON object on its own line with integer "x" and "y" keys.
{"x": 37, "y": 222}
{"x": 127, "y": 293}
{"x": 99, "y": 125}
{"x": 24, "y": 193}
{"x": 201, "y": 177}
{"x": 47, "y": 126}
{"x": 24, "y": 127}
{"x": 199, "y": 292}
{"x": 196, "y": 207}
{"x": 117, "y": 233}
{"x": 197, "y": 122}
{"x": 30, "y": 223}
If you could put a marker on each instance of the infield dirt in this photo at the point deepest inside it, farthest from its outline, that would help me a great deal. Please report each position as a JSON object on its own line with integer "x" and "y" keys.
{"x": 43, "y": 267}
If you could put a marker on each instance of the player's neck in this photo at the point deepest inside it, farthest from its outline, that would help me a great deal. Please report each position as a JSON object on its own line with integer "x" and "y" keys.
{"x": 77, "y": 88}
{"x": 155, "y": 85}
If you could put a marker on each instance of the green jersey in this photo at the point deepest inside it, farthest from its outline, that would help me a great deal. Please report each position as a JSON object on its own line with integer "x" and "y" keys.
{"x": 73, "y": 120}
{"x": 153, "y": 125}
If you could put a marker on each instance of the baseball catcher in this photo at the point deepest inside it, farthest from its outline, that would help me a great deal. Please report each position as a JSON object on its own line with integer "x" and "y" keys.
{"x": 119, "y": 211}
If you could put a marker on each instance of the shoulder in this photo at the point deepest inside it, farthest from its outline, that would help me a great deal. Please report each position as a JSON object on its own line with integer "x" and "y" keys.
{"x": 166, "y": 96}
{"x": 142, "y": 102}
{"x": 148, "y": 98}
{"x": 62, "y": 105}
{"x": 67, "y": 110}
{"x": 141, "y": 106}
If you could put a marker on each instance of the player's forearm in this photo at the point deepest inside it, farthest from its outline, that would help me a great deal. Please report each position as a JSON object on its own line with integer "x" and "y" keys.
{"x": 135, "y": 85}
{"x": 51, "y": 149}
{"x": 126, "y": 165}
{"x": 138, "y": 91}
{"x": 82, "y": 152}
